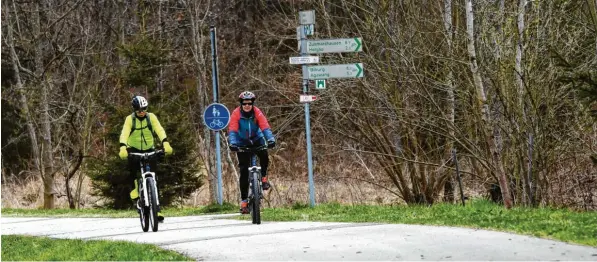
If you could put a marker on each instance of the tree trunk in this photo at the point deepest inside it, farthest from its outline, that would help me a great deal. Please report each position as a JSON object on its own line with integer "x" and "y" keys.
{"x": 46, "y": 129}
{"x": 494, "y": 154}
{"x": 449, "y": 184}
{"x": 519, "y": 76}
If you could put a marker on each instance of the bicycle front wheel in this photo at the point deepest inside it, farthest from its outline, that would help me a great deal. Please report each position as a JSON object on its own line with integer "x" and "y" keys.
{"x": 153, "y": 206}
{"x": 255, "y": 211}
{"x": 142, "y": 210}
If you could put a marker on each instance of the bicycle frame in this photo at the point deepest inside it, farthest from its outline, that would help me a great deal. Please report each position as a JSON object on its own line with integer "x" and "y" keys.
{"x": 256, "y": 192}
{"x": 149, "y": 207}
{"x": 147, "y": 174}
{"x": 254, "y": 168}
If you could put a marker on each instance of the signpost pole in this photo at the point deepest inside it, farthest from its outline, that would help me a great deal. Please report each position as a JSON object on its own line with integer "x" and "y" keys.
{"x": 303, "y": 52}
{"x": 321, "y": 72}
{"x": 214, "y": 65}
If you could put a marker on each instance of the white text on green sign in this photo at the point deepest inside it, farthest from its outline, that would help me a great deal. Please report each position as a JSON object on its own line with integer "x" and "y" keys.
{"x": 335, "y": 71}
{"x": 341, "y": 45}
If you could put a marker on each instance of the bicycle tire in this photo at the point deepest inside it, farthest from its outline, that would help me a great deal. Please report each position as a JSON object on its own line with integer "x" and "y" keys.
{"x": 143, "y": 214}
{"x": 153, "y": 207}
{"x": 255, "y": 211}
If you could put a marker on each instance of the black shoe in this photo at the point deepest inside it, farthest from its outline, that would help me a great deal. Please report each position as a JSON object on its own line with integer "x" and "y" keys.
{"x": 160, "y": 218}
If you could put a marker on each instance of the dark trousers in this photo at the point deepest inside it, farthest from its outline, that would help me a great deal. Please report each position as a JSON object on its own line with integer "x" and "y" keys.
{"x": 244, "y": 162}
{"x": 135, "y": 168}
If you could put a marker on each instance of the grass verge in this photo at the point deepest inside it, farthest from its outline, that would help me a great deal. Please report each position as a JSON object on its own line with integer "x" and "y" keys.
{"x": 29, "y": 248}
{"x": 559, "y": 224}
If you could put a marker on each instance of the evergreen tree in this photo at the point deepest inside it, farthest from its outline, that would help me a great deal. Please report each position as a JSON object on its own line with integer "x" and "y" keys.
{"x": 177, "y": 175}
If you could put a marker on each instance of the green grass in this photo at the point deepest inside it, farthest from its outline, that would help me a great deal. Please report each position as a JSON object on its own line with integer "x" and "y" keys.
{"x": 88, "y": 212}
{"x": 28, "y": 248}
{"x": 559, "y": 224}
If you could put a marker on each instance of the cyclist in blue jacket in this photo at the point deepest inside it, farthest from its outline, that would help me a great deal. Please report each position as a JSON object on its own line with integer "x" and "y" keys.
{"x": 249, "y": 128}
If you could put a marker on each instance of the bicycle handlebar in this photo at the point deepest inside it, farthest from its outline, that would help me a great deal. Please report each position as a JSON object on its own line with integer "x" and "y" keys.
{"x": 148, "y": 155}
{"x": 251, "y": 149}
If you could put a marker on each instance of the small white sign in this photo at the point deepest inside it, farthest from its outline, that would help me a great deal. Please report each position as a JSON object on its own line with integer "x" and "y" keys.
{"x": 308, "y": 98}
{"x": 299, "y": 60}
{"x": 307, "y": 17}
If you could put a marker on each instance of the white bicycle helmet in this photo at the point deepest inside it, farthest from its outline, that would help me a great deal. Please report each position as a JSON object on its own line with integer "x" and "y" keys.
{"x": 139, "y": 103}
{"x": 246, "y": 95}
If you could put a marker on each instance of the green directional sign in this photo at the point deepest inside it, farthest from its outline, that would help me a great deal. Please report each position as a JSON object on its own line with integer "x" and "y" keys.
{"x": 335, "y": 71}
{"x": 341, "y": 45}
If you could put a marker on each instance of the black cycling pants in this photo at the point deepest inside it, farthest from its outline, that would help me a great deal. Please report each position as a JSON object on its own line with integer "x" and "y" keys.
{"x": 244, "y": 161}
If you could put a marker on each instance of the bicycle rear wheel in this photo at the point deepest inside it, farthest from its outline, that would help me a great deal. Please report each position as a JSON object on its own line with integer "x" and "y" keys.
{"x": 153, "y": 207}
{"x": 255, "y": 211}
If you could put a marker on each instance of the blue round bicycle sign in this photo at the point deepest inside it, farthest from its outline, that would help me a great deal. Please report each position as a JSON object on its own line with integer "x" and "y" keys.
{"x": 216, "y": 116}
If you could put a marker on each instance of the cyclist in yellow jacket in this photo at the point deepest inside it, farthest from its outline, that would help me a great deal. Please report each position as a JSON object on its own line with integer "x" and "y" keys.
{"x": 137, "y": 136}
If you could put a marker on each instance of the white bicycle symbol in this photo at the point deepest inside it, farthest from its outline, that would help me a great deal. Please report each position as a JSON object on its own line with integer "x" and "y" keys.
{"x": 216, "y": 123}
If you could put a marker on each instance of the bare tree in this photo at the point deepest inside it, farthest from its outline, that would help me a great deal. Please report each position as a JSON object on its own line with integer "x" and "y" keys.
{"x": 18, "y": 69}
{"x": 450, "y": 107}
{"x": 484, "y": 108}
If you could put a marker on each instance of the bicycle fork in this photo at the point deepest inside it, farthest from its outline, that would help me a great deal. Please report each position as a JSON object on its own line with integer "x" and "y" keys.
{"x": 255, "y": 172}
{"x": 155, "y": 189}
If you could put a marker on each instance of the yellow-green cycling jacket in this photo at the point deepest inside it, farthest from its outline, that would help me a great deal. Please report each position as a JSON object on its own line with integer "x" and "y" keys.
{"x": 141, "y": 138}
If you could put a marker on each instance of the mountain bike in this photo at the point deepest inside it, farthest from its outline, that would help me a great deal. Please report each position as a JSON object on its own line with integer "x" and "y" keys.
{"x": 148, "y": 203}
{"x": 255, "y": 189}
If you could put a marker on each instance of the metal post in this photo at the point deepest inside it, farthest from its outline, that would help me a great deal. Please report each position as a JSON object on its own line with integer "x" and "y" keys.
{"x": 303, "y": 53}
{"x": 214, "y": 66}
{"x": 455, "y": 159}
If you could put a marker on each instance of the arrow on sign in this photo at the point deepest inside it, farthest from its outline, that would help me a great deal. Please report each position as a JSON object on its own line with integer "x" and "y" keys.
{"x": 358, "y": 47}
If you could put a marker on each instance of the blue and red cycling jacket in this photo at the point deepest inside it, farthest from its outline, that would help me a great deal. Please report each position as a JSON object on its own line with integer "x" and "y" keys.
{"x": 247, "y": 131}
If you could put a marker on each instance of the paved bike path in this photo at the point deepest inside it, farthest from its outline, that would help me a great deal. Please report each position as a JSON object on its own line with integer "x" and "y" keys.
{"x": 212, "y": 237}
